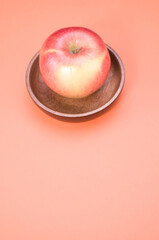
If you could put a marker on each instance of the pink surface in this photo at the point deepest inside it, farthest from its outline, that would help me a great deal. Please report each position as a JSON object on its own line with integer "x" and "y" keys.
{"x": 91, "y": 180}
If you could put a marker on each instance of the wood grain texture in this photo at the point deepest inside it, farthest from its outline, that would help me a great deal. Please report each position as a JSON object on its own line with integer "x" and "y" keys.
{"x": 56, "y": 104}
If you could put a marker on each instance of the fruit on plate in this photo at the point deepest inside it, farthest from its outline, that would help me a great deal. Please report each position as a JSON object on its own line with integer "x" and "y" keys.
{"x": 74, "y": 62}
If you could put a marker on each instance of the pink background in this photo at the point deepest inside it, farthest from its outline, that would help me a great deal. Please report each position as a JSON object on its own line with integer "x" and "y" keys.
{"x": 93, "y": 180}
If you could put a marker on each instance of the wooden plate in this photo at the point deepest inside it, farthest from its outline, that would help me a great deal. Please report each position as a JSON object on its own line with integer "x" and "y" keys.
{"x": 57, "y": 105}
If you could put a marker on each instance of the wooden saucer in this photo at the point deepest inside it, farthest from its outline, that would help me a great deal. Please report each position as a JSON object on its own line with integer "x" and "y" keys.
{"x": 54, "y": 104}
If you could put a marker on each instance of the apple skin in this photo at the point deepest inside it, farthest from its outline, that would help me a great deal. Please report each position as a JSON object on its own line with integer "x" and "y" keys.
{"x": 74, "y": 62}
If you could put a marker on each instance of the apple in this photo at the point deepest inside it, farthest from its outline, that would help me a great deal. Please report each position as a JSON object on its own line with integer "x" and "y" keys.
{"x": 74, "y": 62}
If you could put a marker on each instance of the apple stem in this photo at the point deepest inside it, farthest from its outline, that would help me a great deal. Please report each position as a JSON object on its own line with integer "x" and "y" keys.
{"x": 74, "y": 49}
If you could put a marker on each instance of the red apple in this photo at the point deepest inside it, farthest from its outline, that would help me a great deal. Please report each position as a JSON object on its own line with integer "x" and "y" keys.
{"x": 74, "y": 62}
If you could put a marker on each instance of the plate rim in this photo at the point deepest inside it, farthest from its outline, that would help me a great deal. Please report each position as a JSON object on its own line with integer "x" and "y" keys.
{"x": 75, "y": 115}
